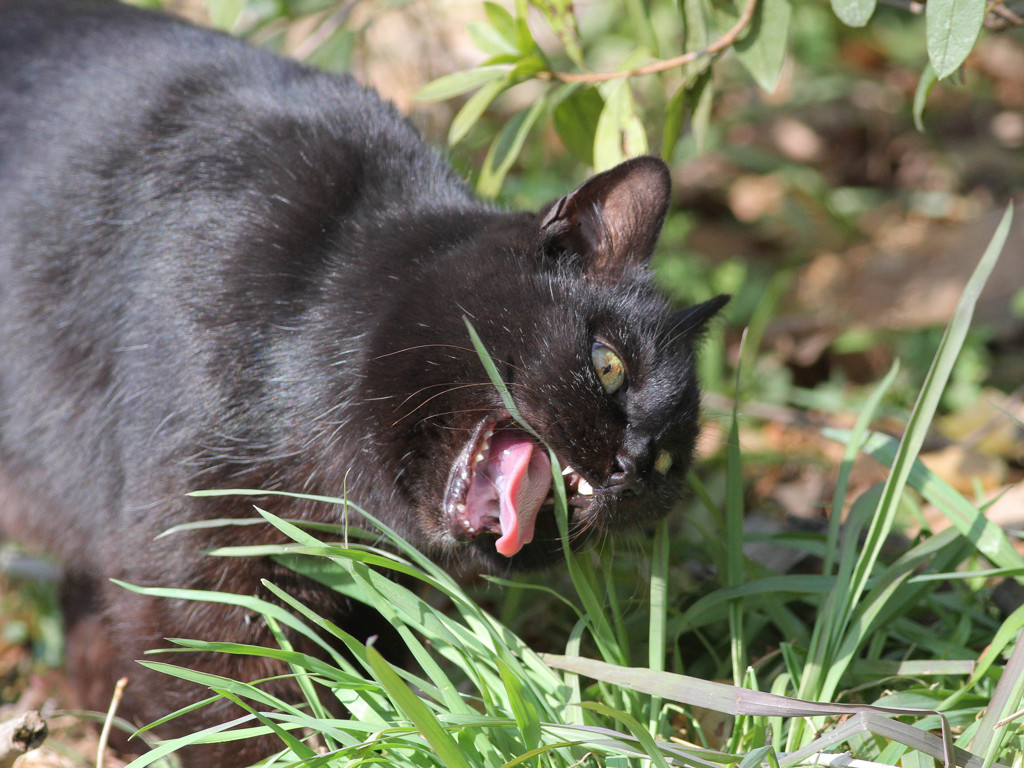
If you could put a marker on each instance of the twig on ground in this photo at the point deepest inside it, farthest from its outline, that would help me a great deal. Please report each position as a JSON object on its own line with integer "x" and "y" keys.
{"x": 20, "y": 735}
{"x": 115, "y": 701}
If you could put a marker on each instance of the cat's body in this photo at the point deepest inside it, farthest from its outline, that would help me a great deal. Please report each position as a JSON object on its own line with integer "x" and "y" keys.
{"x": 222, "y": 269}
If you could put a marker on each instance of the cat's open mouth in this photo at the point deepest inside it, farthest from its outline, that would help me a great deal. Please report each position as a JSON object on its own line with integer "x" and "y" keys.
{"x": 499, "y": 482}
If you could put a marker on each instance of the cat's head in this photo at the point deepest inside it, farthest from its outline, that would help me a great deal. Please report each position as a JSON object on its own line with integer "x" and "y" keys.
{"x": 598, "y": 365}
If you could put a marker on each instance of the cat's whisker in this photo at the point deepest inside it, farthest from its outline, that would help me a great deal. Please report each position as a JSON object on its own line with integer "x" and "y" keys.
{"x": 454, "y": 413}
{"x": 451, "y": 389}
{"x": 581, "y": 526}
{"x": 513, "y": 385}
{"x": 638, "y": 555}
{"x": 425, "y": 346}
{"x": 452, "y": 386}
{"x": 424, "y": 389}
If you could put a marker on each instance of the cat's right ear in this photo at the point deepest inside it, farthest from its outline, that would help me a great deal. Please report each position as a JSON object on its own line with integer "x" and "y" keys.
{"x": 612, "y": 221}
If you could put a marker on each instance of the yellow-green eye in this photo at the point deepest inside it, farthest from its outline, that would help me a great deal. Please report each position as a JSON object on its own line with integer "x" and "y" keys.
{"x": 663, "y": 463}
{"x": 610, "y": 370}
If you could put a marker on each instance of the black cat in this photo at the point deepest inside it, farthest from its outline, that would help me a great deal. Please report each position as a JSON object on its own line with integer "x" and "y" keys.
{"x": 219, "y": 268}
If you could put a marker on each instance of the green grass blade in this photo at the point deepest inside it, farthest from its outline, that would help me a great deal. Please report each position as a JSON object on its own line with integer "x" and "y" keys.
{"x": 302, "y": 751}
{"x": 496, "y": 380}
{"x": 540, "y": 751}
{"x": 735, "y": 563}
{"x": 308, "y": 664}
{"x": 860, "y": 428}
{"x": 1005, "y": 701}
{"x": 1007, "y": 633}
{"x": 246, "y": 602}
{"x": 522, "y": 708}
{"x": 599, "y": 739}
{"x": 170, "y": 746}
{"x": 989, "y": 539}
{"x": 587, "y": 586}
{"x": 641, "y": 734}
{"x": 734, "y": 700}
{"x": 299, "y": 667}
{"x": 853, "y": 577}
{"x": 222, "y": 684}
{"x": 657, "y": 613}
{"x": 447, "y": 749}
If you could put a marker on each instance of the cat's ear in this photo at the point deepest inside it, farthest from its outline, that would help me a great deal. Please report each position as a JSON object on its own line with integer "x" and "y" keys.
{"x": 612, "y": 221}
{"x": 693, "y": 321}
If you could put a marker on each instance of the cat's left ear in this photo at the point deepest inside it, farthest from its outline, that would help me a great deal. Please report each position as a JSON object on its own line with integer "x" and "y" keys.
{"x": 693, "y": 321}
{"x": 612, "y": 221}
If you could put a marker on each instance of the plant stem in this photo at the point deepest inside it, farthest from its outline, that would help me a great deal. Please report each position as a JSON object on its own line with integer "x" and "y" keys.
{"x": 716, "y": 47}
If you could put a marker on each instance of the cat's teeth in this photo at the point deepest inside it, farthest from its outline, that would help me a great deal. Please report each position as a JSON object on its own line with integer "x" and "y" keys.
{"x": 479, "y": 458}
{"x": 461, "y": 508}
{"x": 584, "y": 488}
{"x": 567, "y": 471}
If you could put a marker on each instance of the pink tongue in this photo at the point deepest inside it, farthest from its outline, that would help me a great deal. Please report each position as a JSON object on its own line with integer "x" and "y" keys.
{"x": 523, "y": 481}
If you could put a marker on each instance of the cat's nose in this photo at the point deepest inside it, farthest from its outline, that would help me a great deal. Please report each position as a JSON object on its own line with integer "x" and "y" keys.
{"x": 632, "y": 464}
{"x": 625, "y": 477}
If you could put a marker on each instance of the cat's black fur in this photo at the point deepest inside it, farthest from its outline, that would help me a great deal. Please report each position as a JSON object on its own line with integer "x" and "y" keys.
{"x": 219, "y": 268}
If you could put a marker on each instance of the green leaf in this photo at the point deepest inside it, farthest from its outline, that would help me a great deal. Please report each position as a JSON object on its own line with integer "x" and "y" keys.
{"x": 459, "y": 82}
{"x": 634, "y": 135}
{"x": 575, "y": 118}
{"x": 854, "y": 13}
{"x": 502, "y": 22}
{"x": 506, "y": 148}
{"x": 952, "y": 28}
{"x": 582, "y": 575}
{"x": 762, "y": 50}
{"x": 619, "y": 133}
{"x": 561, "y": 18}
{"x": 704, "y": 98}
{"x": 832, "y": 540}
{"x": 675, "y": 114}
{"x": 489, "y": 40}
{"x": 335, "y": 53}
{"x": 608, "y": 132}
{"x": 524, "y": 38}
{"x": 472, "y": 110}
{"x": 639, "y": 13}
{"x": 924, "y": 87}
{"x": 526, "y": 68}
{"x": 224, "y": 14}
{"x": 696, "y": 35}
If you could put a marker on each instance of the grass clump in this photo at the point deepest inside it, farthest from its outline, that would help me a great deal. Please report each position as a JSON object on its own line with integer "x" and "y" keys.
{"x": 871, "y": 660}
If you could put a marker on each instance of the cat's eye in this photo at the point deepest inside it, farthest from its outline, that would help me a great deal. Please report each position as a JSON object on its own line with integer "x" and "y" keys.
{"x": 610, "y": 370}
